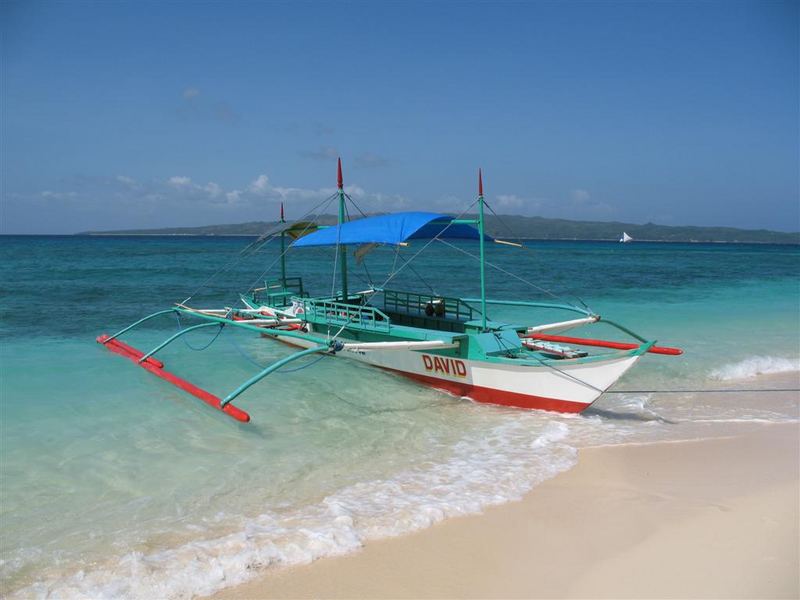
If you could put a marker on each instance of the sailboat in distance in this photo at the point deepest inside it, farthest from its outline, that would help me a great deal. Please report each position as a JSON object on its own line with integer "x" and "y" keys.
{"x": 625, "y": 238}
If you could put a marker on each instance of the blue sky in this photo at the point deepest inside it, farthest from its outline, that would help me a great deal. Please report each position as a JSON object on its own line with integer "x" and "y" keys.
{"x": 119, "y": 115}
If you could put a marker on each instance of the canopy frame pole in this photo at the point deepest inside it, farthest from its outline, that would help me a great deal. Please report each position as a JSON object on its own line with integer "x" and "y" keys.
{"x": 283, "y": 251}
{"x": 342, "y": 248}
{"x": 481, "y": 227}
{"x": 270, "y": 369}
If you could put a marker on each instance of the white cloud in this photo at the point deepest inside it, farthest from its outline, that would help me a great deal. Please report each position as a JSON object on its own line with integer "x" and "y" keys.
{"x": 212, "y": 189}
{"x": 507, "y": 201}
{"x": 370, "y": 160}
{"x": 58, "y": 195}
{"x": 386, "y": 203}
{"x": 580, "y": 196}
{"x": 191, "y": 92}
{"x": 179, "y": 181}
{"x": 449, "y": 203}
{"x": 123, "y": 202}
{"x": 260, "y": 185}
{"x": 323, "y": 153}
{"x": 354, "y": 190}
{"x": 582, "y": 205}
{"x": 288, "y": 193}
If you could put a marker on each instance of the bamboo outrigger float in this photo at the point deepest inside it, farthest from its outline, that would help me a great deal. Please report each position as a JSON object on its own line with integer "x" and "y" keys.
{"x": 448, "y": 343}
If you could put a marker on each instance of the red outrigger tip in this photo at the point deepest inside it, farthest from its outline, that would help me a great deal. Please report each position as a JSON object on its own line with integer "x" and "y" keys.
{"x": 601, "y": 343}
{"x": 480, "y": 183}
{"x": 282, "y": 219}
{"x": 339, "y": 179}
{"x": 156, "y": 367}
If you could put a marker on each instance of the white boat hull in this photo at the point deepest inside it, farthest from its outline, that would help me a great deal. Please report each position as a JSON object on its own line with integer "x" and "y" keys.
{"x": 569, "y": 386}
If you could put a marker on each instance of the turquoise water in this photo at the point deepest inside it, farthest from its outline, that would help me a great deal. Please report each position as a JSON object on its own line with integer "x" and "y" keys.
{"x": 114, "y": 484}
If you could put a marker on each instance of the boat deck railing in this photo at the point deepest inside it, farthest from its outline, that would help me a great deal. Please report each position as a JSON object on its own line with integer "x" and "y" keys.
{"x": 328, "y": 312}
{"x": 427, "y": 305}
{"x": 279, "y": 292}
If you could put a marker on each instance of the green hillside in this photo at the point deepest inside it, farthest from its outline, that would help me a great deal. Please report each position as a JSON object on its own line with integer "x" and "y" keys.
{"x": 540, "y": 228}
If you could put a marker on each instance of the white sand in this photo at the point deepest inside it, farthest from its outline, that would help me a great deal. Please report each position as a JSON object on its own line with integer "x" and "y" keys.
{"x": 713, "y": 519}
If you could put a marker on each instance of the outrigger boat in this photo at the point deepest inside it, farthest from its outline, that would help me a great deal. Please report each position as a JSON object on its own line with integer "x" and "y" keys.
{"x": 445, "y": 342}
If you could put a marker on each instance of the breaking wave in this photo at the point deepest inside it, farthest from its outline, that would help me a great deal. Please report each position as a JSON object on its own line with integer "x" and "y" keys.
{"x": 496, "y": 466}
{"x": 754, "y": 366}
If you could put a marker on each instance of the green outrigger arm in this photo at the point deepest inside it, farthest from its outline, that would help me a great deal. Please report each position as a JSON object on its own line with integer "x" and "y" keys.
{"x": 176, "y": 336}
{"x": 149, "y": 363}
{"x": 139, "y": 322}
{"x": 271, "y": 369}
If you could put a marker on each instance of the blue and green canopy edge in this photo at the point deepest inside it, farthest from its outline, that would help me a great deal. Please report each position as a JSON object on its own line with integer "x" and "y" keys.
{"x": 392, "y": 229}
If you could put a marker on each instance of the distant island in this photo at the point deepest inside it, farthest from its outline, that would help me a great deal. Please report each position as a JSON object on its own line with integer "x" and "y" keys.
{"x": 531, "y": 228}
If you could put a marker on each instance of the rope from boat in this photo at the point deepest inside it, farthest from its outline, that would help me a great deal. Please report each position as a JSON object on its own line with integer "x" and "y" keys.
{"x": 246, "y": 356}
{"x": 527, "y": 249}
{"x": 363, "y": 258}
{"x": 508, "y": 348}
{"x": 227, "y": 266}
{"x": 301, "y": 367}
{"x": 415, "y": 272}
{"x": 514, "y": 275}
{"x": 353, "y": 202}
{"x": 249, "y": 250}
{"x": 565, "y": 374}
{"x": 508, "y": 227}
{"x": 302, "y": 233}
{"x": 186, "y": 341}
{"x": 366, "y": 271}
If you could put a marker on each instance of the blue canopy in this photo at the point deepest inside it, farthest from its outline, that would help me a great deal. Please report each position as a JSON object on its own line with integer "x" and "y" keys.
{"x": 393, "y": 229}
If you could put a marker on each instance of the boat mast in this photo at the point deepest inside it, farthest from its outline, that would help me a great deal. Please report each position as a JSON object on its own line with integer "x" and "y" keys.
{"x": 480, "y": 231}
{"x": 283, "y": 251}
{"x": 342, "y": 249}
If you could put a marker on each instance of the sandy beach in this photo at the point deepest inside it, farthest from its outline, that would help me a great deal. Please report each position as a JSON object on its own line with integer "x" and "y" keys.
{"x": 716, "y": 518}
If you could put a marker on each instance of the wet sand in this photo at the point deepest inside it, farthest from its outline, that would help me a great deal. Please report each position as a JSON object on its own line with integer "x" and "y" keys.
{"x": 711, "y": 518}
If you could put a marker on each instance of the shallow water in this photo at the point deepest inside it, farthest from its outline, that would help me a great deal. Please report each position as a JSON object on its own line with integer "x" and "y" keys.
{"x": 115, "y": 484}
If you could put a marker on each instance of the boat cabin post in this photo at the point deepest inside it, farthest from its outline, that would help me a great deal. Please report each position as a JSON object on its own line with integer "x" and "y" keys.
{"x": 481, "y": 234}
{"x": 342, "y": 249}
{"x": 283, "y": 250}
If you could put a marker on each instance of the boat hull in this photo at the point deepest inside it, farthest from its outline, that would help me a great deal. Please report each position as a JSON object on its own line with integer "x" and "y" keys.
{"x": 570, "y": 386}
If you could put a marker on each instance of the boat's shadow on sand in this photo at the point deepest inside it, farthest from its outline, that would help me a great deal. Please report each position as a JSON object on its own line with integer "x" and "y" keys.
{"x": 617, "y": 415}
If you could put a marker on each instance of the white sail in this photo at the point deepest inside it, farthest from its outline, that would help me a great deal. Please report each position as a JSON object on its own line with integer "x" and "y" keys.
{"x": 625, "y": 238}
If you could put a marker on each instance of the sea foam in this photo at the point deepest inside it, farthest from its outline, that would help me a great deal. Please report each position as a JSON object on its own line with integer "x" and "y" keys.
{"x": 754, "y": 366}
{"x": 491, "y": 467}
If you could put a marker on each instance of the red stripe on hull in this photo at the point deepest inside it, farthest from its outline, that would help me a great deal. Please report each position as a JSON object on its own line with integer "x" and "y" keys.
{"x": 157, "y": 368}
{"x": 494, "y": 396}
